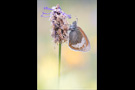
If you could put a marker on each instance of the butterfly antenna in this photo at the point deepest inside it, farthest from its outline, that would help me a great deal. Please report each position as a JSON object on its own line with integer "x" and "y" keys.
{"x": 76, "y": 19}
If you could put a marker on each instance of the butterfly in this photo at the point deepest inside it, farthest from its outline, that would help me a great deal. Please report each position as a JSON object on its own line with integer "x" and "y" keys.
{"x": 78, "y": 40}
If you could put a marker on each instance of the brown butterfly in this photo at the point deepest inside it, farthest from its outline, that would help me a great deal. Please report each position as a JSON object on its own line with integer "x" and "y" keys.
{"x": 78, "y": 40}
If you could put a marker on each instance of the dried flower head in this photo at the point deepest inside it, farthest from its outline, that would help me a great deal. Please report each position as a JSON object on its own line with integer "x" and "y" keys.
{"x": 59, "y": 24}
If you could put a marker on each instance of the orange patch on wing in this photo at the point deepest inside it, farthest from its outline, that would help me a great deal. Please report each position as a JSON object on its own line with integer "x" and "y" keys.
{"x": 84, "y": 35}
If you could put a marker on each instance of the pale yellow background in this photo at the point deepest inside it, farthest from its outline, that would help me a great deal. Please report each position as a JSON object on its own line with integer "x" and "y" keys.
{"x": 78, "y": 69}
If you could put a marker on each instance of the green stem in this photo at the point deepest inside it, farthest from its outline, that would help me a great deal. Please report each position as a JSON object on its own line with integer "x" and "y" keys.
{"x": 59, "y": 62}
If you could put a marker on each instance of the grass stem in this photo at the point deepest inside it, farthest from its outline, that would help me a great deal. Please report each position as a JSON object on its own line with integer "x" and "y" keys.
{"x": 59, "y": 64}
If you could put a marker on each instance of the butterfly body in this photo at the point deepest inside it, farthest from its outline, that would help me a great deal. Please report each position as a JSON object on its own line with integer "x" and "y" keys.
{"x": 78, "y": 40}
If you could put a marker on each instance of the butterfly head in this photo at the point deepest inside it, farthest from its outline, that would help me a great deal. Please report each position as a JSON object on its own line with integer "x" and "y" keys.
{"x": 73, "y": 26}
{"x": 74, "y": 23}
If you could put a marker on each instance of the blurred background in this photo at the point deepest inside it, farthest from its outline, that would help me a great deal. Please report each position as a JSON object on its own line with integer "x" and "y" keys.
{"x": 78, "y": 69}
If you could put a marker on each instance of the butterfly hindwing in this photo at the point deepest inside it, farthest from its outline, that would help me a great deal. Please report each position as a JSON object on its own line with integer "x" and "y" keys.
{"x": 78, "y": 41}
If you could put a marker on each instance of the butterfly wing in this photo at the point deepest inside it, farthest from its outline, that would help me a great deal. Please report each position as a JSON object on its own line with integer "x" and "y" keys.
{"x": 78, "y": 40}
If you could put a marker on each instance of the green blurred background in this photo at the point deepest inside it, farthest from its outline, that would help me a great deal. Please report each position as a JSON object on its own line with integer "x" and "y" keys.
{"x": 78, "y": 69}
